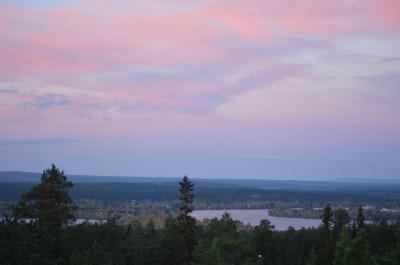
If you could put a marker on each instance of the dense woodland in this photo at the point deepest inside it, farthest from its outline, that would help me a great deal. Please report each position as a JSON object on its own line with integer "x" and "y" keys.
{"x": 38, "y": 232}
{"x": 127, "y": 202}
{"x": 162, "y": 192}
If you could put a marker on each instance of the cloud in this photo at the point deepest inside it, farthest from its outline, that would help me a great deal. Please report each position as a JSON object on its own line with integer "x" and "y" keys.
{"x": 391, "y": 60}
{"x": 295, "y": 158}
{"x": 42, "y": 141}
{"x": 277, "y": 157}
{"x": 102, "y": 64}
{"x": 49, "y": 100}
{"x": 8, "y": 91}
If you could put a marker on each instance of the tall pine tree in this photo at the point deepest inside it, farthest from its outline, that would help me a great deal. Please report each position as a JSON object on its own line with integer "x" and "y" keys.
{"x": 48, "y": 203}
{"x": 360, "y": 219}
{"x": 181, "y": 238}
{"x": 326, "y": 253}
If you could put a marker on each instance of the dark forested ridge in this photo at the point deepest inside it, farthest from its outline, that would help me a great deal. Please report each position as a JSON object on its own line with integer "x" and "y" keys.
{"x": 167, "y": 191}
{"x": 108, "y": 188}
{"x": 116, "y": 191}
{"x": 159, "y": 198}
{"x": 47, "y": 238}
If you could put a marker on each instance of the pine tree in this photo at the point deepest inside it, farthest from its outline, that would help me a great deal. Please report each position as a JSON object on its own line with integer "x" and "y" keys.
{"x": 343, "y": 249}
{"x": 327, "y": 251}
{"x": 392, "y": 257}
{"x": 186, "y": 223}
{"x": 327, "y": 218}
{"x": 49, "y": 206}
{"x": 263, "y": 241}
{"x": 48, "y": 202}
{"x": 312, "y": 259}
{"x": 353, "y": 251}
{"x": 186, "y": 198}
{"x": 97, "y": 255}
{"x": 360, "y": 218}
{"x": 341, "y": 220}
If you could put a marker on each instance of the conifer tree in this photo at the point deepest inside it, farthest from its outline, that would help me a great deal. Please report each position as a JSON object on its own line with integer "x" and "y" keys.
{"x": 186, "y": 198}
{"x": 353, "y": 251}
{"x": 327, "y": 251}
{"x": 48, "y": 202}
{"x": 312, "y": 259}
{"x": 97, "y": 255}
{"x": 327, "y": 218}
{"x": 360, "y": 219}
{"x": 263, "y": 241}
{"x": 341, "y": 220}
{"x": 186, "y": 223}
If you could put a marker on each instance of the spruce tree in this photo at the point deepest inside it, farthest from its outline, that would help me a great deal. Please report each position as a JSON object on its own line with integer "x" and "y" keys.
{"x": 327, "y": 251}
{"x": 263, "y": 241}
{"x": 353, "y": 251}
{"x": 341, "y": 220}
{"x": 327, "y": 218}
{"x": 360, "y": 219}
{"x": 97, "y": 255}
{"x": 186, "y": 223}
{"x": 312, "y": 259}
{"x": 186, "y": 198}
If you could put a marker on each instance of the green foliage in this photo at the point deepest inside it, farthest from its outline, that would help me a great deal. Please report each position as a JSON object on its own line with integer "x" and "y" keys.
{"x": 95, "y": 255}
{"x": 48, "y": 202}
{"x": 325, "y": 256}
{"x": 360, "y": 219}
{"x": 382, "y": 237}
{"x": 312, "y": 259}
{"x": 392, "y": 257}
{"x": 220, "y": 242}
{"x": 263, "y": 242}
{"x": 327, "y": 218}
{"x": 181, "y": 238}
{"x": 186, "y": 198}
{"x": 341, "y": 220}
{"x": 226, "y": 227}
{"x": 217, "y": 195}
{"x": 353, "y": 251}
{"x": 181, "y": 241}
{"x": 230, "y": 251}
{"x": 186, "y": 223}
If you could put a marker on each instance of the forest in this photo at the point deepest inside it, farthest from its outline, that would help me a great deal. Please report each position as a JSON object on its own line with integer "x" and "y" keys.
{"x": 128, "y": 201}
{"x": 38, "y": 231}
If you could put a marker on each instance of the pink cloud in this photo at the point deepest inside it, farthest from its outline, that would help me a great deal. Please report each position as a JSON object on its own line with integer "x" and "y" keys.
{"x": 88, "y": 51}
{"x": 388, "y": 13}
{"x": 56, "y": 40}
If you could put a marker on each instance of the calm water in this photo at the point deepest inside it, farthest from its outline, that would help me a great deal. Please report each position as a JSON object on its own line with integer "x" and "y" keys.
{"x": 253, "y": 217}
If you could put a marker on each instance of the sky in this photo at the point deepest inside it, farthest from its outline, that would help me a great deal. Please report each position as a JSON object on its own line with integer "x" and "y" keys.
{"x": 306, "y": 89}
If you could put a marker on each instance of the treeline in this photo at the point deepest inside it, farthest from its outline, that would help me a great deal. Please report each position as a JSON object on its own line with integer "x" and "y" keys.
{"x": 214, "y": 196}
{"x": 37, "y": 232}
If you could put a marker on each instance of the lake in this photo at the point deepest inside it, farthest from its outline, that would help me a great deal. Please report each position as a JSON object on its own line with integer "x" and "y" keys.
{"x": 253, "y": 217}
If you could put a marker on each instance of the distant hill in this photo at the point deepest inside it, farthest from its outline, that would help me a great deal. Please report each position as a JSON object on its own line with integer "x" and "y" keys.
{"x": 156, "y": 192}
{"x": 212, "y": 191}
{"x": 31, "y": 177}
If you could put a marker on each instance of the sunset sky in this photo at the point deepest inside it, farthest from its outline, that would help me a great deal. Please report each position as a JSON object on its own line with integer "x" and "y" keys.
{"x": 209, "y": 88}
